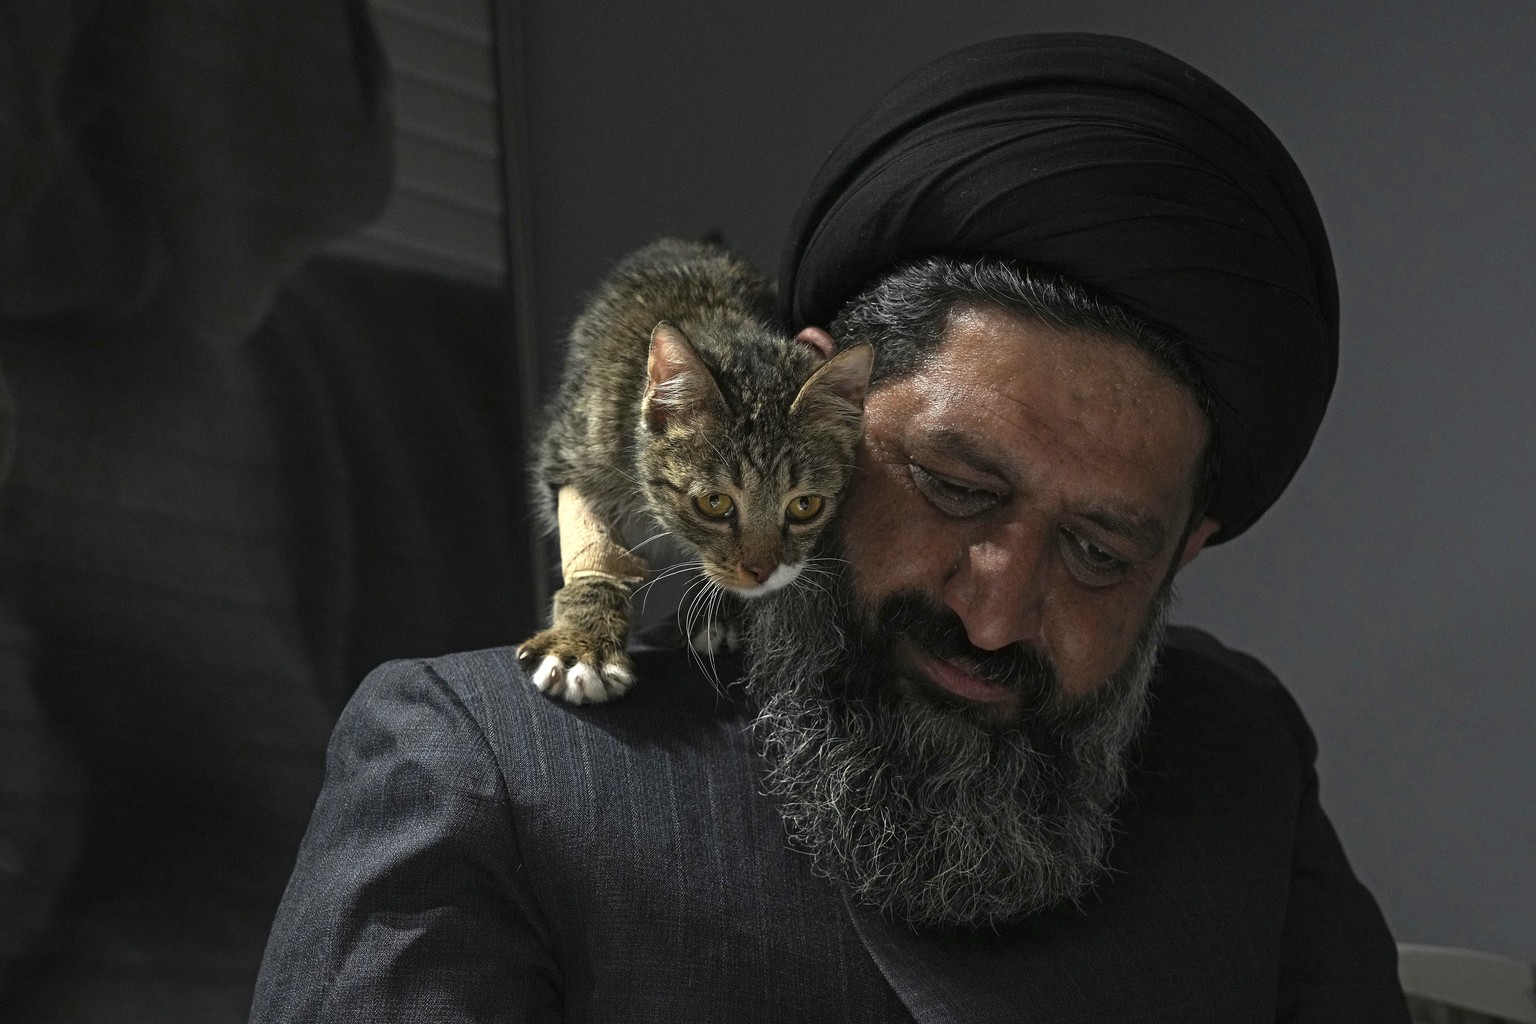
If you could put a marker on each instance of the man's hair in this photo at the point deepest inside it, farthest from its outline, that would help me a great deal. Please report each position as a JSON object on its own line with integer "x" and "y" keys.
{"x": 905, "y": 313}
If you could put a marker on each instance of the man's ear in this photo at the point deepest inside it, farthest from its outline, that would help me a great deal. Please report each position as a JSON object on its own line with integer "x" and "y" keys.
{"x": 1196, "y": 540}
{"x": 819, "y": 340}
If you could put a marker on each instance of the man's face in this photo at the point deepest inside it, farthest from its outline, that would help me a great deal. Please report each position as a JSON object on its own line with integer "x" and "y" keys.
{"x": 1036, "y": 485}
{"x": 943, "y": 719}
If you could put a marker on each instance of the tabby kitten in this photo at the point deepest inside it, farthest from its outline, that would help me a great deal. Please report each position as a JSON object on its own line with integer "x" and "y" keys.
{"x": 682, "y": 406}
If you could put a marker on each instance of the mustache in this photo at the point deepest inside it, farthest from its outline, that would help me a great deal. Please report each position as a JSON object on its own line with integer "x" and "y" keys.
{"x": 938, "y": 632}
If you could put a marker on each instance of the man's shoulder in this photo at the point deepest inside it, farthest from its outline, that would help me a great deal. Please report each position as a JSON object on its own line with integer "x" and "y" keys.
{"x": 487, "y": 691}
{"x": 1193, "y": 655}
{"x": 1207, "y": 686}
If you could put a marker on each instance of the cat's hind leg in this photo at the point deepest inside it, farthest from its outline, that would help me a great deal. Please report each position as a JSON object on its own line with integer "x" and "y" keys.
{"x": 580, "y": 658}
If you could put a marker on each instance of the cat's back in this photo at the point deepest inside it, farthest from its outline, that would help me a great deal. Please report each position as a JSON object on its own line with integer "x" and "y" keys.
{"x": 694, "y": 284}
{"x": 696, "y": 274}
{"x": 721, "y": 303}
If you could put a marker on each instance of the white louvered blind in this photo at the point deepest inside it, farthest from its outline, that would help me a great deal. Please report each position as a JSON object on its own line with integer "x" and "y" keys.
{"x": 445, "y": 212}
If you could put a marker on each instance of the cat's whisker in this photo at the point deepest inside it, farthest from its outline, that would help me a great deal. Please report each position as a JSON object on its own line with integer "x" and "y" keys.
{"x": 706, "y": 605}
{"x": 652, "y": 538}
{"x": 819, "y": 573}
{"x": 818, "y": 559}
{"x": 689, "y": 612}
{"x": 688, "y": 604}
{"x": 693, "y": 595}
{"x": 805, "y": 580}
{"x": 702, "y": 581}
{"x": 701, "y": 606}
{"x": 671, "y": 571}
{"x": 718, "y": 599}
{"x": 808, "y": 569}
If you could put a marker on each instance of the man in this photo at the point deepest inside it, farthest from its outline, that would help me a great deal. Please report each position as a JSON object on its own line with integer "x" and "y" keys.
{"x": 967, "y": 774}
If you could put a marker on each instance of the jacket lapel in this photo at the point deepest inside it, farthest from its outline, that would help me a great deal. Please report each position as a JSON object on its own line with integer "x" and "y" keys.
{"x": 929, "y": 976}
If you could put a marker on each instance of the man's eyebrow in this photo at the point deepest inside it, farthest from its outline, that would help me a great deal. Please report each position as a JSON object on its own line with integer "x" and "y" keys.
{"x": 1145, "y": 531}
{"x": 963, "y": 447}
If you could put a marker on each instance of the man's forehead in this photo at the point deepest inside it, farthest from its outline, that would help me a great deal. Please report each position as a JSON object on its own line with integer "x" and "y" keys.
{"x": 985, "y": 349}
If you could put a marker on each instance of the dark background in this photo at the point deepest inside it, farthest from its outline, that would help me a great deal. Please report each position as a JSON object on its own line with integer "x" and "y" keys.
{"x": 1392, "y": 588}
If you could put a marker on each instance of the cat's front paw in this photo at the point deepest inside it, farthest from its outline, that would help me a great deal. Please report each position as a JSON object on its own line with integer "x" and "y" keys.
{"x": 721, "y": 629}
{"x": 575, "y": 667}
{"x": 716, "y": 636}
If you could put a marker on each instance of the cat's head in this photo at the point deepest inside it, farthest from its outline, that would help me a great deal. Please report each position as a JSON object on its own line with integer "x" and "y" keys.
{"x": 746, "y": 461}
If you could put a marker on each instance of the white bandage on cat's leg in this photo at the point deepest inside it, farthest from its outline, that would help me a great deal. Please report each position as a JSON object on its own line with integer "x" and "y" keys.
{"x": 589, "y": 547}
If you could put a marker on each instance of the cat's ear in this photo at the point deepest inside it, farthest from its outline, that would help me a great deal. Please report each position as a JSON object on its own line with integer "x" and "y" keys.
{"x": 678, "y": 384}
{"x": 839, "y": 384}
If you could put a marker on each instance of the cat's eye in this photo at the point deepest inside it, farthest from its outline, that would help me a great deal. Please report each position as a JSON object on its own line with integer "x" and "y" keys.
{"x": 804, "y": 508}
{"x": 714, "y": 505}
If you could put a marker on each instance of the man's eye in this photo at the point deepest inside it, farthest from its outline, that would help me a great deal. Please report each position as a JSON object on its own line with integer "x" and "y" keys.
{"x": 1093, "y": 565}
{"x": 951, "y": 498}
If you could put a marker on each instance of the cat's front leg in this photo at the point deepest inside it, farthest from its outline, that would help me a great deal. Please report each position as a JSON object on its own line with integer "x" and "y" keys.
{"x": 717, "y": 630}
{"x": 580, "y": 658}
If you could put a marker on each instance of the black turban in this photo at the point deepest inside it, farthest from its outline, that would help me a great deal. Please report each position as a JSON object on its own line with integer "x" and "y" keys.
{"x": 1117, "y": 165}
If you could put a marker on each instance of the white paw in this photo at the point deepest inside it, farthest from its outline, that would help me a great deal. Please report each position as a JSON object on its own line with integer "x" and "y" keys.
{"x": 716, "y": 637}
{"x": 583, "y": 682}
{"x": 549, "y": 677}
{"x": 618, "y": 678}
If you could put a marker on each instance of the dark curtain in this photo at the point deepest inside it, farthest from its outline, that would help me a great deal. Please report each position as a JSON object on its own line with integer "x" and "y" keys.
{"x": 242, "y": 475}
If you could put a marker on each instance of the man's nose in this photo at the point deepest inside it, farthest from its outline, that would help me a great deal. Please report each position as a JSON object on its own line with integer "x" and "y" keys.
{"x": 998, "y": 589}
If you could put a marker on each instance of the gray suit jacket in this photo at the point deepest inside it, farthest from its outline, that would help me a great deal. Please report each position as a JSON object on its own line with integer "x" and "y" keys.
{"x": 481, "y": 853}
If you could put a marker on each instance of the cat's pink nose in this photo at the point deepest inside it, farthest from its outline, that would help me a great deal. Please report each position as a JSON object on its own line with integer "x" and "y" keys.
{"x": 757, "y": 572}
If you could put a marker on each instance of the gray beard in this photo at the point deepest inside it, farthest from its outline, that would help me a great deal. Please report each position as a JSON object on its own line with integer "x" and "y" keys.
{"x": 925, "y": 811}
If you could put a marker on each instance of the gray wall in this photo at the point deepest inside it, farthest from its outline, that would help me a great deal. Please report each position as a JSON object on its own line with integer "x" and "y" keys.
{"x": 1393, "y": 586}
